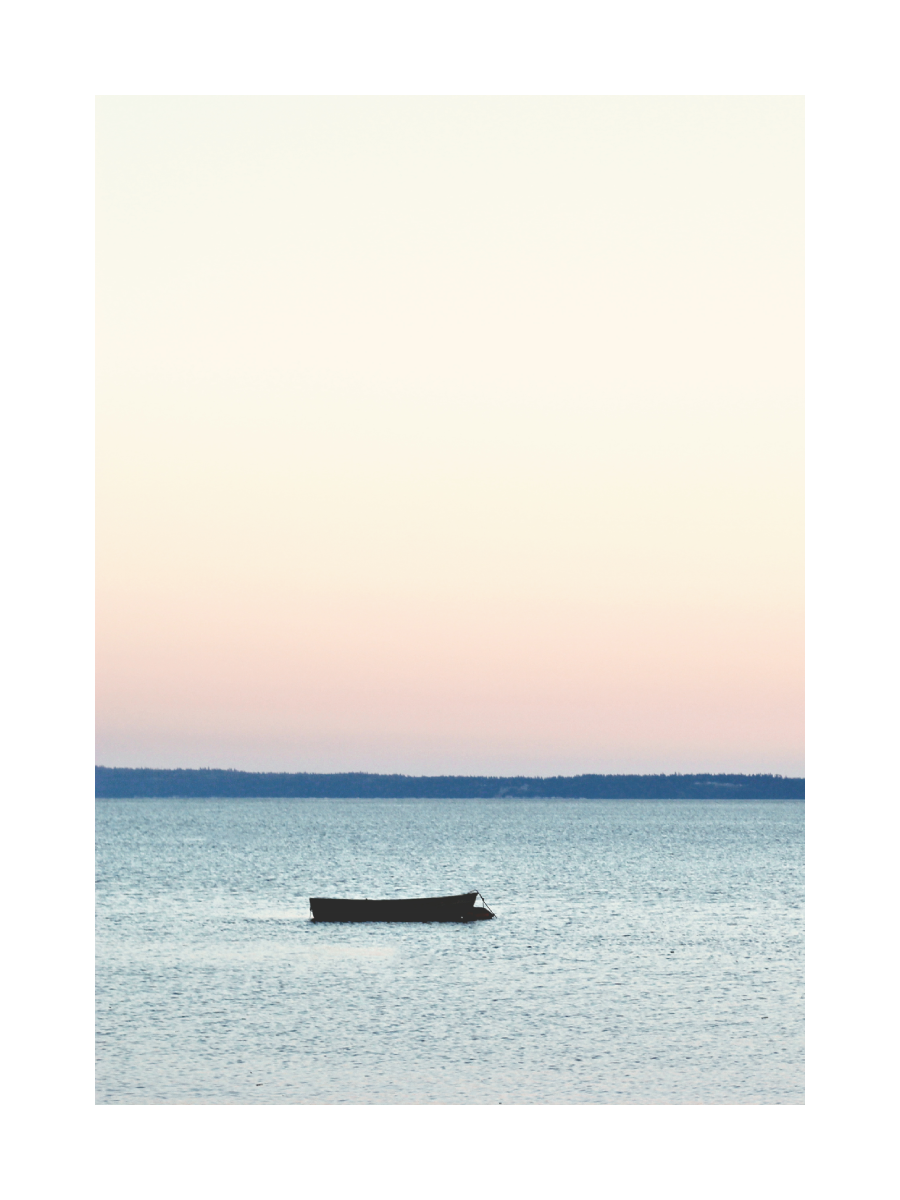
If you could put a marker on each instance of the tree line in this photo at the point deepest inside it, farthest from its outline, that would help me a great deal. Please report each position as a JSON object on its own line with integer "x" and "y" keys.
{"x": 145, "y": 782}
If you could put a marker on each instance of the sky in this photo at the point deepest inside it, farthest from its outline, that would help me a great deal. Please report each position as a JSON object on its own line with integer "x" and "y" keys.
{"x": 450, "y": 435}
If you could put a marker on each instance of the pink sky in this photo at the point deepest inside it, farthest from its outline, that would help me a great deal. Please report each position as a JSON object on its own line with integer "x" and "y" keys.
{"x": 450, "y": 435}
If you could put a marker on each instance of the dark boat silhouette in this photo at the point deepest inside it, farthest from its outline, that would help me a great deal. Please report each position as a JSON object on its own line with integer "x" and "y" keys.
{"x": 429, "y": 908}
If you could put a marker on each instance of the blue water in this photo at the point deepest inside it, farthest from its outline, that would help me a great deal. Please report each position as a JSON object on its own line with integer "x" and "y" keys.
{"x": 643, "y": 952}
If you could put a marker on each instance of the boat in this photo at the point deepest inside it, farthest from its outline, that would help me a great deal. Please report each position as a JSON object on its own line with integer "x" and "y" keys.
{"x": 427, "y": 908}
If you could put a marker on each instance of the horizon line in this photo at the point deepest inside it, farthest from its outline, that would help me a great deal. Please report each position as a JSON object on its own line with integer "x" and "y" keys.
{"x": 447, "y": 775}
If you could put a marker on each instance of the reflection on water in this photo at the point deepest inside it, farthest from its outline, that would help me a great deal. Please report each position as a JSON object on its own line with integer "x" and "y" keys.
{"x": 643, "y": 952}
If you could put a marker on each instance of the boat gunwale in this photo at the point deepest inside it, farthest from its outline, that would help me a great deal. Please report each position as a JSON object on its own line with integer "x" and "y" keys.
{"x": 460, "y": 899}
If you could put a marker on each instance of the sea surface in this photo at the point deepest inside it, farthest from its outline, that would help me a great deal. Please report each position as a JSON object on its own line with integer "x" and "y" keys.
{"x": 643, "y": 952}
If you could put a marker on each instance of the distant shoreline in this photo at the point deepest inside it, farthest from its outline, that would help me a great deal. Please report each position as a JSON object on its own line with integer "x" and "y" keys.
{"x": 148, "y": 783}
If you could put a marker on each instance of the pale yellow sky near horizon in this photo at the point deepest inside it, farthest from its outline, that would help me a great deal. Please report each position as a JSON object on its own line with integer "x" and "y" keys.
{"x": 450, "y": 435}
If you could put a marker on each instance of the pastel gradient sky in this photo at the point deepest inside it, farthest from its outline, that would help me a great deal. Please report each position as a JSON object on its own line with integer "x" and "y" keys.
{"x": 450, "y": 435}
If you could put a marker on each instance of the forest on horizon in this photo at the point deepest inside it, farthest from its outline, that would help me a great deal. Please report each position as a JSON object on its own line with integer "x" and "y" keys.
{"x": 146, "y": 782}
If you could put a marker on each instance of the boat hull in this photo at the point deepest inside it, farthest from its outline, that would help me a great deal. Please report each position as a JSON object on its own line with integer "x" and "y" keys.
{"x": 429, "y": 908}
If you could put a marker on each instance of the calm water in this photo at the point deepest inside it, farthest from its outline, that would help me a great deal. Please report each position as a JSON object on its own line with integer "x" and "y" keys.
{"x": 643, "y": 952}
